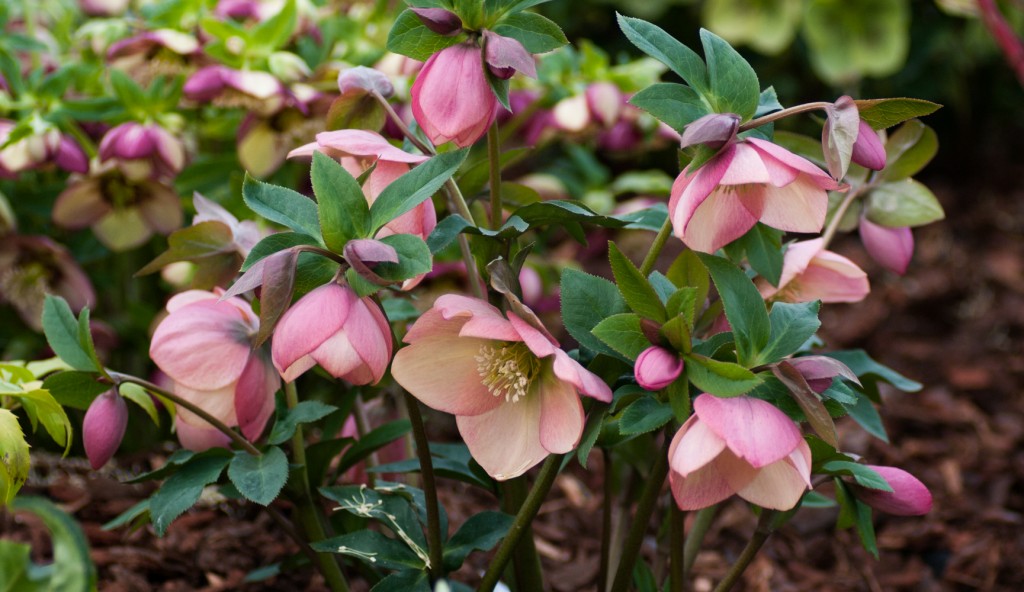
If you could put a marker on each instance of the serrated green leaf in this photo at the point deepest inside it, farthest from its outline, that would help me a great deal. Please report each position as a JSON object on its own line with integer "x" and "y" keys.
{"x": 537, "y": 33}
{"x": 304, "y": 412}
{"x": 644, "y": 415}
{"x": 634, "y": 287}
{"x": 278, "y": 241}
{"x": 791, "y": 326}
{"x": 283, "y": 206}
{"x": 344, "y": 213}
{"x": 74, "y": 389}
{"x": 744, "y": 307}
{"x": 586, "y": 301}
{"x": 622, "y": 333}
{"x": 481, "y": 532}
{"x": 658, "y": 44}
{"x": 722, "y": 379}
{"x": 14, "y": 462}
{"x": 410, "y": 37}
{"x": 732, "y": 82}
{"x": 259, "y": 478}
{"x": 182, "y": 489}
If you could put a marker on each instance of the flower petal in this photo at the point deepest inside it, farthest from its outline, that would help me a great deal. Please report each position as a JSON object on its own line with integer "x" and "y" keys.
{"x": 308, "y": 323}
{"x": 197, "y": 438}
{"x": 700, "y": 489}
{"x": 254, "y": 396}
{"x": 754, "y": 430}
{"x": 561, "y": 416}
{"x": 695, "y": 445}
{"x": 720, "y": 219}
{"x": 442, "y": 373}
{"x": 506, "y": 440}
{"x": 797, "y": 207}
{"x": 780, "y": 485}
{"x": 203, "y": 345}
{"x": 584, "y": 380}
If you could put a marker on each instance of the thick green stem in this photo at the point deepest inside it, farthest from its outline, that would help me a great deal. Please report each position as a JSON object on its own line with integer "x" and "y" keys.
{"x": 761, "y": 534}
{"x": 656, "y": 246}
{"x": 701, "y": 524}
{"x": 309, "y": 517}
{"x": 237, "y": 438}
{"x": 521, "y": 525}
{"x": 525, "y": 561}
{"x": 606, "y": 519}
{"x": 648, "y": 500}
{"x": 434, "y": 534}
{"x": 677, "y": 573}
{"x": 837, "y": 217}
{"x": 494, "y": 162}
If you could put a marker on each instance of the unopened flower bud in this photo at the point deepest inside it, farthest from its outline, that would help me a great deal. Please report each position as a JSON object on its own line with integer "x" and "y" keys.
{"x": 892, "y": 248}
{"x": 657, "y": 367}
{"x": 104, "y": 427}
{"x": 439, "y": 20}
{"x": 909, "y": 497}
{"x": 868, "y": 150}
{"x": 364, "y": 79}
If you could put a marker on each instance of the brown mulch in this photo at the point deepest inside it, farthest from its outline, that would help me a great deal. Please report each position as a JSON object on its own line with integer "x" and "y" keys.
{"x": 954, "y": 323}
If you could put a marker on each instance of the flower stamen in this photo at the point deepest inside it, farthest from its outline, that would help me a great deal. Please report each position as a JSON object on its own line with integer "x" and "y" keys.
{"x": 507, "y": 371}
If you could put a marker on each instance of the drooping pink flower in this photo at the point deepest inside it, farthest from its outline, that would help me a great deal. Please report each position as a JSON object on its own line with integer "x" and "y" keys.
{"x": 152, "y": 54}
{"x": 103, "y": 427}
{"x": 868, "y": 150}
{"x": 205, "y": 346}
{"x": 819, "y": 371}
{"x": 253, "y": 90}
{"x": 892, "y": 248}
{"x": 143, "y": 151}
{"x": 657, "y": 367}
{"x": 514, "y": 393}
{"x": 45, "y": 147}
{"x": 742, "y": 446}
{"x": 909, "y": 497}
{"x": 811, "y": 273}
{"x": 750, "y": 180}
{"x": 347, "y": 335}
{"x": 451, "y": 99}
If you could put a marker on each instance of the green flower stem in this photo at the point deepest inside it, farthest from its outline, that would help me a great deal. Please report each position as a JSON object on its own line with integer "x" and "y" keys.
{"x": 701, "y": 524}
{"x": 765, "y": 119}
{"x": 521, "y": 525}
{"x": 434, "y": 545}
{"x": 644, "y": 509}
{"x": 525, "y": 561}
{"x": 293, "y": 534}
{"x": 761, "y": 534}
{"x": 677, "y": 573}
{"x": 494, "y": 158}
{"x": 606, "y": 518}
{"x": 237, "y": 438}
{"x": 309, "y": 517}
{"x": 659, "y": 243}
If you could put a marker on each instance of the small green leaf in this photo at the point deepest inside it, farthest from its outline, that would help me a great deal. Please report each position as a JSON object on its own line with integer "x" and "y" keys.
{"x": 410, "y": 37}
{"x": 344, "y": 213}
{"x": 275, "y": 31}
{"x": 865, "y": 414}
{"x": 885, "y": 113}
{"x": 732, "y": 83}
{"x": 406, "y": 580}
{"x": 658, "y": 44}
{"x": 200, "y": 240}
{"x": 61, "y": 329}
{"x": 908, "y": 150}
{"x": 414, "y": 187}
{"x": 862, "y": 474}
{"x": 622, "y": 333}
{"x": 282, "y": 205}
{"x": 868, "y": 369}
{"x": 903, "y": 203}
{"x": 480, "y": 532}
{"x": 75, "y": 389}
{"x": 259, "y": 478}
{"x": 791, "y": 326}
{"x": 722, "y": 379}
{"x": 14, "y": 462}
{"x": 866, "y": 528}
{"x": 304, "y": 412}
{"x": 687, "y": 270}
{"x": 140, "y": 396}
{"x": 278, "y": 241}
{"x": 644, "y": 415}
{"x": 182, "y": 490}
{"x": 537, "y": 33}
{"x": 744, "y": 307}
{"x": 762, "y": 246}
{"x": 635, "y": 288}
{"x": 586, "y": 301}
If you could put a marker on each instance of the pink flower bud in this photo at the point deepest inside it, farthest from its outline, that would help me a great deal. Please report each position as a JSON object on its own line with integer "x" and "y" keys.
{"x": 103, "y": 428}
{"x": 143, "y": 151}
{"x": 505, "y": 56}
{"x": 605, "y": 101}
{"x": 892, "y": 248}
{"x": 103, "y": 8}
{"x": 909, "y": 497}
{"x": 364, "y": 79}
{"x": 657, "y": 367}
{"x": 868, "y": 150}
{"x": 819, "y": 371}
{"x": 451, "y": 99}
{"x": 439, "y": 20}
{"x": 714, "y": 129}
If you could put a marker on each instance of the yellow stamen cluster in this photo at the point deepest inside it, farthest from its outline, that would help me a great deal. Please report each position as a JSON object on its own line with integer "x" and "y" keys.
{"x": 507, "y": 370}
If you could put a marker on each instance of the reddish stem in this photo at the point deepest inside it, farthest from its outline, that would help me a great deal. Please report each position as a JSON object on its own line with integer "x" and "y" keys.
{"x": 1009, "y": 43}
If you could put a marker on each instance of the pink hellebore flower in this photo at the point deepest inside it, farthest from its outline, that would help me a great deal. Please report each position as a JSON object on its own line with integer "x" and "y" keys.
{"x": 451, "y": 99}
{"x": 143, "y": 151}
{"x": 811, "y": 273}
{"x": 657, "y": 367}
{"x": 103, "y": 8}
{"x": 347, "y": 335}
{"x": 205, "y": 346}
{"x": 750, "y": 180}
{"x": 152, "y": 54}
{"x": 255, "y": 91}
{"x": 892, "y": 248}
{"x": 33, "y": 266}
{"x": 819, "y": 371}
{"x": 45, "y": 146}
{"x": 514, "y": 393}
{"x": 739, "y": 445}
{"x": 103, "y": 427}
{"x": 909, "y": 497}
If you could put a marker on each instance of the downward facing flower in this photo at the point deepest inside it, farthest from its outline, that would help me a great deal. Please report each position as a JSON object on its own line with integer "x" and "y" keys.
{"x": 750, "y": 180}
{"x": 741, "y": 446}
{"x": 909, "y": 497}
{"x": 205, "y": 346}
{"x": 451, "y": 99}
{"x": 514, "y": 393}
{"x": 103, "y": 427}
{"x": 809, "y": 272}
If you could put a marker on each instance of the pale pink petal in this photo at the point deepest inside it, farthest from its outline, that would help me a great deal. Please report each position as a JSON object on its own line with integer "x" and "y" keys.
{"x": 488, "y": 327}
{"x": 769, "y": 150}
{"x": 700, "y": 489}
{"x": 798, "y": 207}
{"x": 745, "y": 167}
{"x": 584, "y": 380}
{"x": 694, "y": 446}
{"x": 365, "y": 143}
{"x": 372, "y": 345}
{"x": 220, "y": 403}
{"x": 309, "y": 322}
{"x": 339, "y": 358}
{"x": 561, "y": 415}
{"x": 754, "y": 430}
{"x": 819, "y": 371}
{"x": 506, "y": 440}
{"x": 254, "y": 396}
{"x": 383, "y": 175}
{"x": 780, "y": 485}
{"x": 204, "y": 345}
{"x": 690, "y": 188}
{"x": 485, "y": 321}
{"x": 299, "y": 367}
{"x": 540, "y": 344}
{"x": 720, "y": 219}
{"x": 442, "y": 373}
{"x": 183, "y": 299}
{"x": 197, "y": 438}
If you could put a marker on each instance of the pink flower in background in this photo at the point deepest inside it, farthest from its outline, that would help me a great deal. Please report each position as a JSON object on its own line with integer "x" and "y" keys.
{"x": 657, "y": 367}
{"x": 255, "y": 91}
{"x": 819, "y": 371}
{"x": 152, "y": 54}
{"x": 451, "y": 99}
{"x": 742, "y": 446}
{"x": 868, "y": 150}
{"x": 909, "y": 497}
{"x": 347, "y": 335}
{"x": 749, "y": 181}
{"x": 514, "y": 393}
{"x": 48, "y": 146}
{"x": 103, "y": 427}
{"x": 811, "y": 273}
{"x": 205, "y": 346}
{"x": 891, "y": 247}
{"x": 143, "y": 151}
{"x": 33, "y": 266}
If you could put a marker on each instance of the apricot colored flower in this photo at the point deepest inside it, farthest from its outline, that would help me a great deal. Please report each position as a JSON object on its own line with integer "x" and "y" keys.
{"x": 750, "y": 180}
{"x": 205, "y": 346}
{"x": 809, "y": 272}
{"x": 742, "y": 446}
{"x": 514, "y": 393}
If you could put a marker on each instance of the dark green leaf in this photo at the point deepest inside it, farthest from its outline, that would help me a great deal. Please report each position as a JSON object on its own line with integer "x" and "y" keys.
{"x": 863, "y": 366}
{"x": 865, "y": 414}
{"x": 885, "y": 113}
{"x": 406, "y": 580}
{"x": 865, "y": 528}
{"x": 862, "y": 474}
{"x": 732, "y": 83}
{"x": 744, "y": 307}
{"x": 304, "y": 412}
{"x": 646, "y": 414}
{"x": 282, "y": 205}
{"x": 182, "y": 490}
{"x": 634, "y": 287}
{"x": 75, "y": 389}
{"x": 373, "y": 441}
{"x": 72, "y": 567}
{"x": 586, "y": 301}
{"x": 414, "y": 187}
{"x": 62, "y": 333}
{"x": 674, "y": 104}
{"x": 259, "y": 478}
{"x": 481, "y": 532}
{"x": 410, "y": 37}
{"x": 658, "y": 44}
{"x": 537, "y": 33}
{"x": 373, "y": 548}
{"x": 722, "y": 379}
{"x": 791, "y": 326}
{"x": 344, "y": 213}
{"x": 278, "y": 241}
{"x": 687, "y": 270}
{"x": 622, "y": 333}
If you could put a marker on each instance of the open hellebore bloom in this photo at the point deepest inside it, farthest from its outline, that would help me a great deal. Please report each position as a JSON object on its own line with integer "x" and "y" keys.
{"x": 103, "y": 427}
{"x": 514, "y": 393}
{"x": 143, "y": 151}
{"x": 33, "y": 266}
{"x": 205, "y": 346}
{"x": 750, "y": 180}
{"x": 811, "y": 273}
{"x": 657, "y": 367}
{"x": 45, "y": 146}
{"x": 909, "y": 497}
{"x": 347, "y": 335}
{"x": 151, "y": 54}
{"x": 451, "y": 99}
{"x": 892, "y": 248}
{"x": 255, "y": 91}
{"x": 742, "y": 446}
